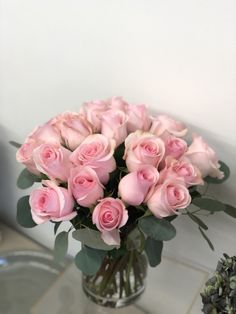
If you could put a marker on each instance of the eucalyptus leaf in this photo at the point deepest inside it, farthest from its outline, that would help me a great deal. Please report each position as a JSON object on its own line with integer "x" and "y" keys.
{"x": 61, "y": 245}
{"x": 56, "y": 226}
{"x": 206, "y": 238}
{"x": 26, "y": 179}
{"x": 198, "y": 221}
{"x": 230, "y": 210}
{"x": 135, "y": 240}
{"x": 157, "y": 229}
{"x": 89, "y": 260}
{"x": 208, "y": 204}
{"x": 91, "y": 238}
{"x": 225, "y": 169}
{"x": 23, "y": 215}
{"x": 15, "y": 144}
{"x": 153, "y": 250}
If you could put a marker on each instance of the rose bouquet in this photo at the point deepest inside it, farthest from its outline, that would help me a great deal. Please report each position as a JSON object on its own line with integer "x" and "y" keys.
{"x": 120, "y": 176}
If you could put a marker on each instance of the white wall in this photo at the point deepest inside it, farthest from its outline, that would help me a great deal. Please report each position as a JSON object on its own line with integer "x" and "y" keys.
{"x": 176, "y": 56}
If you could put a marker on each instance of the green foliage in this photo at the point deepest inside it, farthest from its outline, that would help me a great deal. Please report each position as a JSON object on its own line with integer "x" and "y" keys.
{"x": 157, "y": 229}
{"x": 208, "y": 204}
{"x": 56, "y": 226}
{"x": 23, "y": 215}
{"x": 153, "y": 250}
{"x": 15, "y": 144}
{"x": 26, "y": 179}
{"x": 91, "y": 238}
{"x": 206, "y": 238}
{"x": 230, "y": 210}
{"x": 61, "y": 245}
{"x": 135, "y": 240}
{"x": 198, "y": 221}
{"x": 89, "y": 260}
{"x": 225, "y": 169}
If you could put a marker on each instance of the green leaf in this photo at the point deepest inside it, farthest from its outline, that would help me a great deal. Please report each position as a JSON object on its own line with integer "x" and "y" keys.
{"x": 198, "y": 221}
{"x": 61, "y": 246}
{"x": 230, "y": 210}
{"x": 206, "y": 238}
{"x": 23, "y": 215}
{"x": 89, "y": 260}
{"x": 225, "y": 169}
{"x": 91, "y": 238}
{"x": 153, "y": 250}
{"x": 157, "y": 229}
{"x": 56, "y": 226}
{"x": 208, "y": 204}
{"x": 135, "y": 240}
{"x": 26, "y": 179}
{"x": 15, "y": 144}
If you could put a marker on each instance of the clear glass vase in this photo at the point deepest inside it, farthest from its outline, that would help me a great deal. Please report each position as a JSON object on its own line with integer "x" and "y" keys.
{"x": 119, "y": 282}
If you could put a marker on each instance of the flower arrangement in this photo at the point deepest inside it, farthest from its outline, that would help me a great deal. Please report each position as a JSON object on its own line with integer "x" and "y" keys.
{"x": 120, "y": 176}
{"x": 219, "y": 295}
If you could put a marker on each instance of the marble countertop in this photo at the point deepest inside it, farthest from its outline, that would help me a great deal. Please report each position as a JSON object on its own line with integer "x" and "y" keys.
{"x": 172, "y": 287}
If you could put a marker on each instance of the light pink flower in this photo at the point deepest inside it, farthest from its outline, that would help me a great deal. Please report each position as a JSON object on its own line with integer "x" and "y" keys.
{"x": 24, "y": 155}
{"x": 96, "y": 151}
{"x": 53, "y": 161}
{"x": 138, "y": 118}
{"x": 135, "y": 186}
{"x": 85, "y": 186}
{"x": 114, "y": 125}
{"x": 142, "y": 148}
{"x": 168, "y": 198}
{"x": 175, "y": 147}
{"x": 163, "y": 125}
{"x": 117, "y": 103}
{"x": 51, "y": 202}
{"x": 204, "y": 157}
{"x": 46, "y": 133}
{"x": 181, "y": 170}
{"x": 93, "y": 111}
{"x": 109, "y": 215}
{"x": 74, "y": 128}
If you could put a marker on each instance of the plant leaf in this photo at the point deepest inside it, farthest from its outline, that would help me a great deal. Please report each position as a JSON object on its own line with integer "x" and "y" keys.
{"x": 56, "y": 226}
{"x": 230, "y": 210}
{"x": 135, "y": 240}
{"x": 15, "y": 144}
{"x": 153, "y": 250}
{"x": 206, "y": 238}
{"x": 26, "y": 179}
{"x": 89, "y": 260}
{"x": 225, "y": 169}
{"x": 61, "y": 245}
{"x": 23, "y": 215}
{"x": 91, "y": 238}
{"x": 157, "y": 229}
{"x": 198, "y": 221}
{"x": 208, "y": 204}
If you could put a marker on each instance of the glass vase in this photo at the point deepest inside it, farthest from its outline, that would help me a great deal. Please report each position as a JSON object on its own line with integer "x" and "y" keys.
{"x": 119, "y": 282}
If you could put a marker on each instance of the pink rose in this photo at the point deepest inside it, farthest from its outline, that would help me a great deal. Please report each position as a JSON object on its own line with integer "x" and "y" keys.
{"x": 168, "y": 198}
{"x": 114, "y": 125}
{"x": 53, "y": 161}
{"x": 135, "y": 186}
{"x": 74, "y": 128}
{"x": 47, "y": 133}
{"x": 96, "y": 151}
{"x": 203, "y": 156}
{"x": 138, "y": 118}
{"x": 117, "y": 103}
{"x": 85, "y": 186}
{"x": 93, "y": 111}
{"x": 163, "y": 125}
{"x": 51, "y": 203}
{"x": 142, "y": 148}
{"x": 175, "y": 147}
{"x": 110, "y": 215}
{"x": 24, "y": 155}
{"x": 182, "y": 170}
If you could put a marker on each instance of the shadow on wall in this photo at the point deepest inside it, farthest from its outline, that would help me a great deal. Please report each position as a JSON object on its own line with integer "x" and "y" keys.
{"x": 7, "y": 177}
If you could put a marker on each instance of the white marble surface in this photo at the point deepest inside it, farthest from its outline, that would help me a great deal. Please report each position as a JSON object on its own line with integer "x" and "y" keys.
{"x": 173, "y": 286}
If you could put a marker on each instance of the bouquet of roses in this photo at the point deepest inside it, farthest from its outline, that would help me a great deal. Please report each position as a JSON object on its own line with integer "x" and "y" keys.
{"x": 120, "y": 176}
